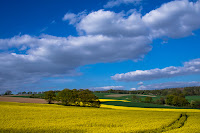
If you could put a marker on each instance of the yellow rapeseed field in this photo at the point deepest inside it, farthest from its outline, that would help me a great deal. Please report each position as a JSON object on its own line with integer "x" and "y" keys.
{"x": 27, "y": 117}
{"x": 192, "y": 125}
{"x": 111, "y": 100}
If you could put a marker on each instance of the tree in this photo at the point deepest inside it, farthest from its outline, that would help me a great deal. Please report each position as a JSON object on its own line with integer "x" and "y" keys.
{"x": 88, "y": 98}
{"x": 169, "y": 99}
{"x": 135, "y": 98}
{"x": 176, "y": 100}
{"x": 50, "y": 96}
{"x": 179, "y": 101}
{"x": 195, "y": 104}
{"x": 65, "y": 96}
{"x": 23, "y": 92}
{"x": 160, "y": 101}
{"x": 8, "y": 92}
{"x": 148, "y": 99}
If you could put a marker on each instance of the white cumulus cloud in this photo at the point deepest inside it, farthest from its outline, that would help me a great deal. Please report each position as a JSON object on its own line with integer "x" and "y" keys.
{"x": 174, "y": 19}
{"x": 191, "y": 67}
{"x": 55, "y": 56}
{"x": 113, "y": 24}
{"x": 140, "y": 83}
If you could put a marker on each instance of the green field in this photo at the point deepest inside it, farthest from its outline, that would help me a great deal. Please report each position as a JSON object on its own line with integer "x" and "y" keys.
{"x": 138, "y": 104}
{"x": 190, "y": 98}
{"x": 23, "y": 117}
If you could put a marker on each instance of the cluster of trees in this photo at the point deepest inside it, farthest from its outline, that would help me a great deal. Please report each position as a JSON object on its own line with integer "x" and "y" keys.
{"x": 73, "y": 97}
{"x": 186, "y": 91}
{"x": 146, "y": 99}
{"x": 177, "y": 100}
{"x": 173, "y": 99}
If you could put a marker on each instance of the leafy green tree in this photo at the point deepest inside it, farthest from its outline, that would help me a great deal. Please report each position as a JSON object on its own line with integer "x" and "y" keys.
{"x": 148, "y": 99}
{"x": 50, "y": 96}
{"x": 161, "y": 100}
{"x": 135, "y": 98}
{"x": 23, "y": 92}
{"x": 88, "y": 98}
{"x": 169, "y": 99}
{"x": 64, "y": 96}
{"x": 179, "y": 101}
{"x": 8, "y": 92}
{"x": 176, "y": 100}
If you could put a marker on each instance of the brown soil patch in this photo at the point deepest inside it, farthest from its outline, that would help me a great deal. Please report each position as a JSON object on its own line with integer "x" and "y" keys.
{"x": 22, "y": 100}
{"x": 117, "y": 95}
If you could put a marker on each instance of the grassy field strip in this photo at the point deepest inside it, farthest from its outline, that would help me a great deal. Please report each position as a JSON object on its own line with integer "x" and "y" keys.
{"x": 108, "y": 100}
{"x": 148, "y": 109}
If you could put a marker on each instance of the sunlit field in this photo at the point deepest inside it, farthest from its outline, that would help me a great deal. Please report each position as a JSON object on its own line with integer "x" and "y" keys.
{"x": 27, "y": 117}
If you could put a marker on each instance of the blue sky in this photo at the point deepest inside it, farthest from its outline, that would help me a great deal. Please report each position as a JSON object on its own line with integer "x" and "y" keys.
{"x": 99, "y": 44}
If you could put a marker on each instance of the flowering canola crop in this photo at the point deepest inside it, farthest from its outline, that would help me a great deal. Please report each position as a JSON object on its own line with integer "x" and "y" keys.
{"x": 26, "y": 117}
{"x": 113, "y": 100}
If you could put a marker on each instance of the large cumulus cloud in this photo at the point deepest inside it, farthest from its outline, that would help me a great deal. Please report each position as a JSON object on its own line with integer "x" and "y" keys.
{"x": 26, "y": 57}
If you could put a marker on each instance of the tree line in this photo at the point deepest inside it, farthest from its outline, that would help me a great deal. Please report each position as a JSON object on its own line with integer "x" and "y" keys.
{"x": 176, "y": 98}
{"x": 186, "y": 91}
{"x": 73, "y": 97}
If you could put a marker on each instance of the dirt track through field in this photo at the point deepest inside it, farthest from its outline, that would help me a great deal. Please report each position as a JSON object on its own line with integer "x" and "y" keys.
{"x": 22, "y": 100}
